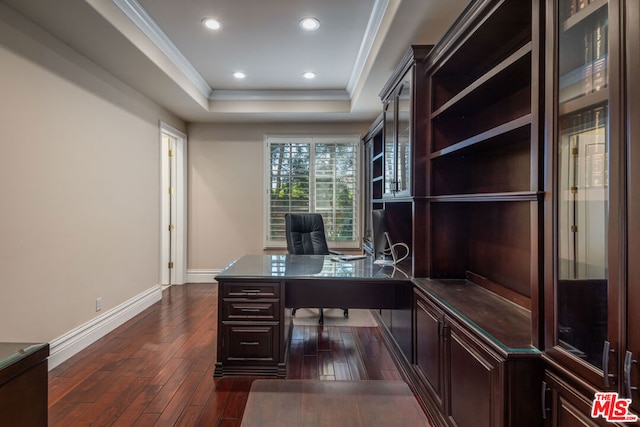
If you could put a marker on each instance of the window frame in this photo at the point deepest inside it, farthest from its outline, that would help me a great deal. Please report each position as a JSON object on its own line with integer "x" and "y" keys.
{"x": 356, "y": 140}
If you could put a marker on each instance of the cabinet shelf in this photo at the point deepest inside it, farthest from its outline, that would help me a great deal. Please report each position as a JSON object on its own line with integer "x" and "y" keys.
{"x": 514, "y": 196}
{"x": 583, "y": 14}
{"x": 499, "y": 79}
{"x": 504, "y": 30}
{"x": 518, "y": 124}
{"x": 584, "y": 102}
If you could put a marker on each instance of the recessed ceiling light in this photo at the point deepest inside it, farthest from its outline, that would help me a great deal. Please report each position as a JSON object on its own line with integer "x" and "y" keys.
{"x": 309, "y": 75}
{"x": 310, "y": 24}
{"x": 212, "y": 24}
{"x": 239, "y": 75}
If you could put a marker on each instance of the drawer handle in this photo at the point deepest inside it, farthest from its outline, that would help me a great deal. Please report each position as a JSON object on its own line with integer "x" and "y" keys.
{"x": 628, "y": 361}
{"x": 605, "y": 363}
{"x": 253, "y": 343}
{"x": 251, "y": 291}
{"x": 250, "y": 310}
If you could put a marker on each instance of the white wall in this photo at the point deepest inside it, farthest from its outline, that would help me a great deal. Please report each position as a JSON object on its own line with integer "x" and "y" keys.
{"x": 226, "y": 188}
{"x": 80, "y": 174}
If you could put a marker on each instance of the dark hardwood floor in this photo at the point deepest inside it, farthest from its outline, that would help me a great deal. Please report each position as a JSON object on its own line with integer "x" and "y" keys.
{"x": 157, "y": 369}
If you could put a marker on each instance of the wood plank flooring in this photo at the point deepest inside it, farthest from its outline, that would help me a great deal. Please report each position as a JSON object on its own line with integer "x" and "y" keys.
{"x": 157, "y": 369}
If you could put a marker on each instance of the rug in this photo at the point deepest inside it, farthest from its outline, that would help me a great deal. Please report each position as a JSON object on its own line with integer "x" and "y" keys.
{"x": 334, "y": 317}
{"x": 284, "y": 403}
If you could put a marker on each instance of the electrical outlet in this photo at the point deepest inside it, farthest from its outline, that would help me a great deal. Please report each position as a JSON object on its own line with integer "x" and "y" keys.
{"x": 98, "y": 303}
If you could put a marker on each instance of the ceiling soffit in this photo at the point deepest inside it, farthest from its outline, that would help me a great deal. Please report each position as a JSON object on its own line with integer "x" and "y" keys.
{"x": 368, "y": 47}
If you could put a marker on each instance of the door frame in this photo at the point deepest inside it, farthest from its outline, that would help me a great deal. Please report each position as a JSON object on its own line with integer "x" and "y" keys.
{"x": 178, "y": 181}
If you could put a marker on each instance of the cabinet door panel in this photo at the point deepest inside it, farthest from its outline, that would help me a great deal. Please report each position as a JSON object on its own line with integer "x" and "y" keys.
{"x": 474, "y": 382}
{"x": 632, "y": 8}
{"x": 586, "y": 151}
{"x": 567, "y": 406}
{"x": 403, "y": 154}
{"x": 390, "y": 149}
{"x": 429, "y": 345}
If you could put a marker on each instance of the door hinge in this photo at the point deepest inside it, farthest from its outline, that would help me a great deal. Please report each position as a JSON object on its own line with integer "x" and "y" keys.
{"x": 170, "y": 264}
{"x": 574, "y": 228}
{"x": 574, "y": 190}
{"x": 170, "y": 153}
{"x": 170, "y": 190}
{"x": 574, "y": 151}
{"x": 171, "y": 227}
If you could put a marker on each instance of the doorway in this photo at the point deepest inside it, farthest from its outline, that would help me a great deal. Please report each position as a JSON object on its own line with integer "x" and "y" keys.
{"x": 173, "y": 198}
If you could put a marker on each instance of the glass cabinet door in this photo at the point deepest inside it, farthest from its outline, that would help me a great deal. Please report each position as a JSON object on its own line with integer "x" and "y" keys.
{"x": 403, "y": 155}
{"x": 390, "y": 148}
{"x": 582, "y": 182}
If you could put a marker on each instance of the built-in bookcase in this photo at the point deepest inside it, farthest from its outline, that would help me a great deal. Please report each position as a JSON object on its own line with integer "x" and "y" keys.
{"x": 484, "y": 154}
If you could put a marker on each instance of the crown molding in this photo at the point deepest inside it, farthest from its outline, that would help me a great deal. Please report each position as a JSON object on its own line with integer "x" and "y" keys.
{"x": 143, "y": 21}
{"x": 279, "y": 95}
{"x": 139, "y": 16}
{"x": 373, "y": 26}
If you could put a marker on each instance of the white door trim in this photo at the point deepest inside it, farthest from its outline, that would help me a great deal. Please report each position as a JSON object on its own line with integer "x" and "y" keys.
{"x": 177, "y": 180}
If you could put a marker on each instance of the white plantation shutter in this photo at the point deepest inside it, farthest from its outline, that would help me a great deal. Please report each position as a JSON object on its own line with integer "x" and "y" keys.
{"x": 313, "y": 174}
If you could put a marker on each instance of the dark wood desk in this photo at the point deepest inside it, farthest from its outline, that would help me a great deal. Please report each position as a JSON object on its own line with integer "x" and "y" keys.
{"x": 332, "y": 403}
{"x": 254, "y": 291}
{"x": 23, "y": 384}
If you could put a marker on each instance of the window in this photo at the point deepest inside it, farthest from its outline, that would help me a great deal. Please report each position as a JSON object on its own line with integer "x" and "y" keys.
{"x": 313, "y": 174}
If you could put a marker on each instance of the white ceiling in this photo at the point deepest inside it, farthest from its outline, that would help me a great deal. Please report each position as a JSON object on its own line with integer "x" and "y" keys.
{"x": 160, "y": 48}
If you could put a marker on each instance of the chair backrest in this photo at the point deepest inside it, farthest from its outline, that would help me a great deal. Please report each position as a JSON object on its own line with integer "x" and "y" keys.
{"x": 305, "y": 234}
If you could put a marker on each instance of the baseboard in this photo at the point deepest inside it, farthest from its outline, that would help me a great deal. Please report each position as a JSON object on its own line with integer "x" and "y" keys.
{"x": 62, "y": 348}
{"x": 202, "y": 276}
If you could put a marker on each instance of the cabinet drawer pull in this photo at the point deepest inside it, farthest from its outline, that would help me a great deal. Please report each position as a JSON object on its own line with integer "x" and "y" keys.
{"x": 628, "y": 361}
{"x": 251, "y": 291}
{"x": 545, "y": 408}
{"x": 605, "y": 362}
{"x": 253, "y": 343}
{"x": 250, "y": 310}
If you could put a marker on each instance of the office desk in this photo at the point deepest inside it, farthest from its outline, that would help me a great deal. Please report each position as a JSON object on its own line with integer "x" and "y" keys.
{"x": 254, "y": 291}
{"x": 23, "y": 384}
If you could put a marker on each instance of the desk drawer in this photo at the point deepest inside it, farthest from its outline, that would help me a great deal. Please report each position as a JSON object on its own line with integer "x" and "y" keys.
{"x": 251, "y": 290}
{"x": 252, "y": 342}
{"x": 251, "y": 309}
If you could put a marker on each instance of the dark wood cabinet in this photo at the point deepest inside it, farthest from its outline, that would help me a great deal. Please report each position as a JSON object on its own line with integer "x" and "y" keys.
{"x": 251, "y": 338}
{"x": 631, "y": 370}
{"x": 373, "y": 181}
{"x": 403, "y": 98}
{"x": 23, "y": 384}
{"x": 395, "y": 153}
{"x": 592, "y": 339}
{"x": 565, "y": 405}
{"x": 472, "y": 214}
{"x": 521, "y": 213}
{"x": 474, "y": 381}
{"x": 472, "y": 350}
{"x": 484, "y": 192}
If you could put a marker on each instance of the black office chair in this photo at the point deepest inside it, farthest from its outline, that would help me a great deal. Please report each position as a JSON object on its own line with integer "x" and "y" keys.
{"x": 305, "y": 236}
